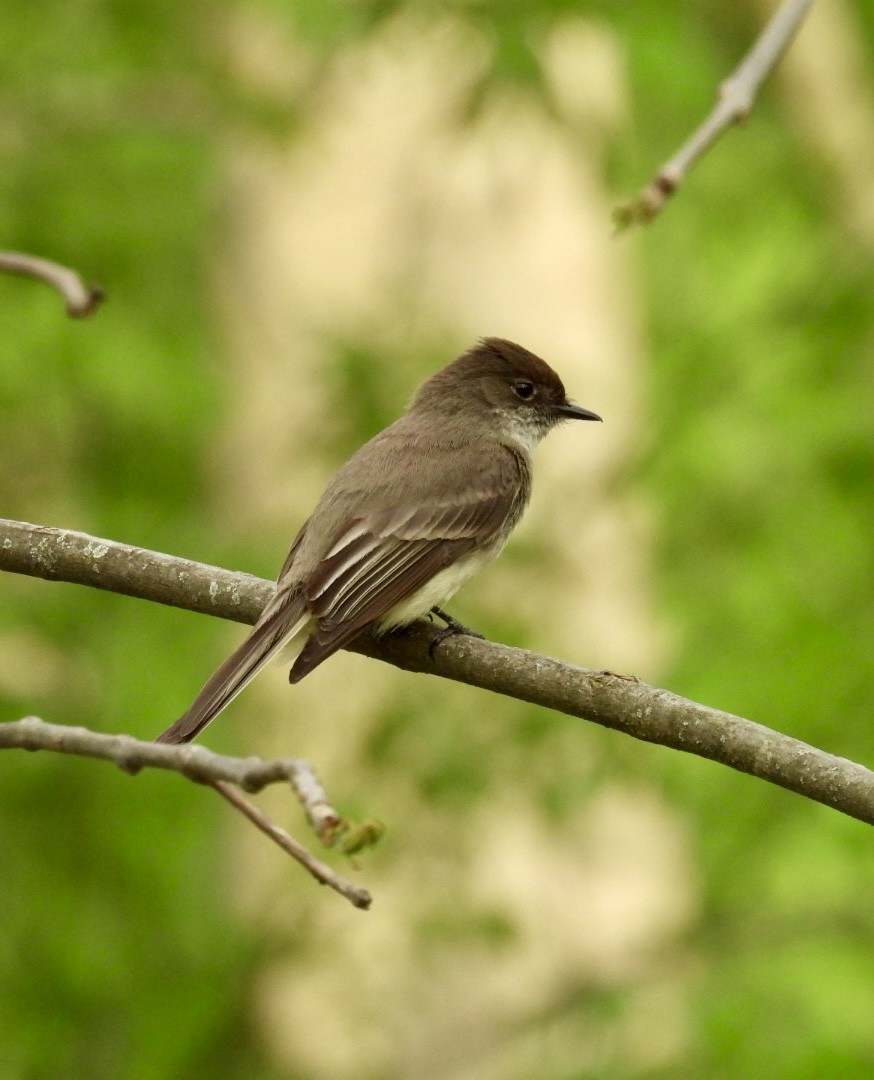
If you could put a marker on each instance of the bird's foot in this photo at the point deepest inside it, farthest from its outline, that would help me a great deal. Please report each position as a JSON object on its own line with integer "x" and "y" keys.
{"x": 452, "y": 627}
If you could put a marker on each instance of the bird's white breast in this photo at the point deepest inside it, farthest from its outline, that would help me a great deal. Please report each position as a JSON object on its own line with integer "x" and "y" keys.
{"x": 438, "y": 590}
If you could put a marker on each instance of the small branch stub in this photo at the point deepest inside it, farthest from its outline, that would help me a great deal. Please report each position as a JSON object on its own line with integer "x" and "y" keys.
{"x": 81, "y": 300}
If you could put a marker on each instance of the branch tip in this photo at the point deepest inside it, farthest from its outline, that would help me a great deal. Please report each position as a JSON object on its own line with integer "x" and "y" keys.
{"x": 80, "y": 300}
{"x": 735, "y": 97}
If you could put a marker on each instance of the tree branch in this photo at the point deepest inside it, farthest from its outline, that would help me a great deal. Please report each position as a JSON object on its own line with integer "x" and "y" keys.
{"x": 614, "y": 701}
{"x": 80, "y": 299}
{"x": 192, "y": 761}
{"x": 205, "y": 767}
{"x": 320, "y": 871}
{"x": 733, "y": 105}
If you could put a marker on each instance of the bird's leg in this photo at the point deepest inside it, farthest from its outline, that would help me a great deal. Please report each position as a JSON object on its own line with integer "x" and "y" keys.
{"x": 452, "y": 627}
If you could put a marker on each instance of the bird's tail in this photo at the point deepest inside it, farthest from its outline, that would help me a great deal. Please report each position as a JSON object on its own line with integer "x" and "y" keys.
{"x": 266, "y": 640}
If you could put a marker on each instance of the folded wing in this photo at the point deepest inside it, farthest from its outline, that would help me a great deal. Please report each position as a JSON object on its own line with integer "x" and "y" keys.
{"x": 382, "y": 558}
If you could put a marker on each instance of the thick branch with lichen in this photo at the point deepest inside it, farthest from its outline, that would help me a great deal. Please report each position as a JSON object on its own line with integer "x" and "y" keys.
{"x": 614, "y": 701}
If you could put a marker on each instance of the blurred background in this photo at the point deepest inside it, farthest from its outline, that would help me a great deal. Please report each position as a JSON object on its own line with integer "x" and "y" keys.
{"x": 300, "y": 209}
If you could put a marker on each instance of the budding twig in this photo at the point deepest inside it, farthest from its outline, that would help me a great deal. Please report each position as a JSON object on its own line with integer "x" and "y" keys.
{"x": 204, "y": 767}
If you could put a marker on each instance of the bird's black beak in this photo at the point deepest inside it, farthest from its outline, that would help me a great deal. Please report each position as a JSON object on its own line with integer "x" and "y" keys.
{"x": 574, "y": 412}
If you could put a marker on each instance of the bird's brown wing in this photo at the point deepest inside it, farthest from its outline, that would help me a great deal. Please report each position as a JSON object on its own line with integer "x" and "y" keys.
{"x": 400, "y": 569}
{"x": 381, "y": 559}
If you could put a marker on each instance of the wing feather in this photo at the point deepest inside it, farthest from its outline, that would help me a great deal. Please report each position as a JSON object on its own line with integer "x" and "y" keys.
{"x": 344, "y": 624}
{"x": 383, "y": 557}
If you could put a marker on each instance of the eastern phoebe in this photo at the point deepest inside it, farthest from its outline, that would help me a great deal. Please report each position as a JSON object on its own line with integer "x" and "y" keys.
{"x": 407, "y": 520}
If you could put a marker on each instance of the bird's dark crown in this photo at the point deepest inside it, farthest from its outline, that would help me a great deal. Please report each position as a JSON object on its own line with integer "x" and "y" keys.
{"x": 498, "y": 359}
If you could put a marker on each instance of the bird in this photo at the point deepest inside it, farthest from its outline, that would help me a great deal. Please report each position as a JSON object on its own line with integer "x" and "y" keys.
{"x": 406, "y": 520}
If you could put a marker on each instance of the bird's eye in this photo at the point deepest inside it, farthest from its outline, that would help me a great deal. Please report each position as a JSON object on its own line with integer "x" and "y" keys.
{"x": 523, "y": 389}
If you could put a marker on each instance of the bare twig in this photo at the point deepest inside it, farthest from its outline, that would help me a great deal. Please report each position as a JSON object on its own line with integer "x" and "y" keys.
{"x": 733, "y": 105}
{"x": 358, "y": 896}
{"x": 191, "y": 761}
{"x": 80, "y": 299}
{"x": 623, "y": 704}
{"x": 204, "y": 767}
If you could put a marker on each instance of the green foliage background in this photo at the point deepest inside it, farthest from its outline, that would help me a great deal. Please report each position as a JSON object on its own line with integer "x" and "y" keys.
{"x": 119, "y": 954}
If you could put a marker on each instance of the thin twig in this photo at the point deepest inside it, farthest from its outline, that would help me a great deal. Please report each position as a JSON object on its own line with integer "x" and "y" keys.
{"x": 617, "y": 702}
{"x": 203, "y": 767}
{"x": 733, "y": 105}
{"x": 190, "y": 760}
{"x": 81, "y": 300}
{"x": 356, "y": 895}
